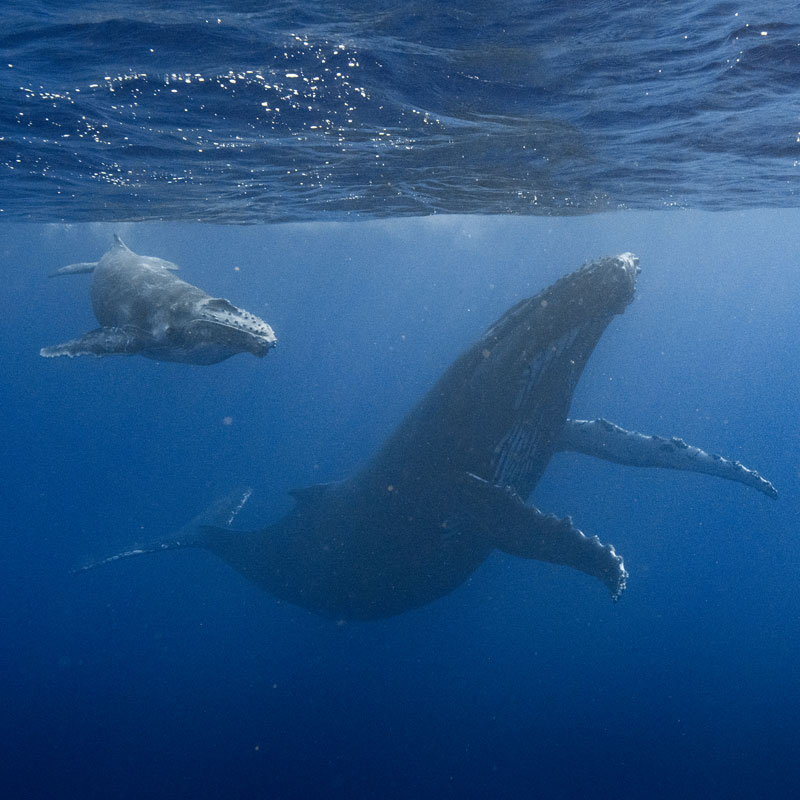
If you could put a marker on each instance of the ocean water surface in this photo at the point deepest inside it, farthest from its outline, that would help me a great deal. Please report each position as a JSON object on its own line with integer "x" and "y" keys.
{"x": 171, "y": 675}
{"x": 253, "y": 112}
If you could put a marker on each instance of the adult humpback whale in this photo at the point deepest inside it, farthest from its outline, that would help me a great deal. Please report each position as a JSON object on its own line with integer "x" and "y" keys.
{"x": 448, "y": 487}
{"x": 146, "y": 310}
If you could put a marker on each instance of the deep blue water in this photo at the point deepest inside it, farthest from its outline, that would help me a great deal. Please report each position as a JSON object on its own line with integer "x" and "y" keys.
{"x": 172, "y": 676}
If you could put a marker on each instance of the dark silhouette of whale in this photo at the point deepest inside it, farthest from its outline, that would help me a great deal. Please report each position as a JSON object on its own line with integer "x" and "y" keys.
{"x": 448, "y": 487}
{"x": 144, "y": 309}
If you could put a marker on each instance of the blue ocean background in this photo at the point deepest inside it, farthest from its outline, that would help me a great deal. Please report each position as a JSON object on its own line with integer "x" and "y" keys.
{"x": 172, "y": 676}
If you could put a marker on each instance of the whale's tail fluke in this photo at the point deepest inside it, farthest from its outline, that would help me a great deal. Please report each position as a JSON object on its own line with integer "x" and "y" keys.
{"x": 219, "y": 514}
{"x": 119, "y": 247}
{"x": 74, "y": 269}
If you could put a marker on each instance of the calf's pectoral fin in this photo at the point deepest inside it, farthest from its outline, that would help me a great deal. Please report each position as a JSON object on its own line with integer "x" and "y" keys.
{"x": 100, "y": 342}
{"x": 604, "y": 439}
{"x": 522, "y": 530}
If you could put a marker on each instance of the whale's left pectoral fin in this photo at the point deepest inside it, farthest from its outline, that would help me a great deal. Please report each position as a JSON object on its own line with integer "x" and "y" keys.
{"x": 522, "y": 530}
{"x": 603, "y": 439}
{"x": 100, "y": 342}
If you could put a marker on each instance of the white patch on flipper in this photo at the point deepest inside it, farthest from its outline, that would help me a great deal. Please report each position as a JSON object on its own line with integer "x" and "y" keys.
{"x": 603, "y": 439}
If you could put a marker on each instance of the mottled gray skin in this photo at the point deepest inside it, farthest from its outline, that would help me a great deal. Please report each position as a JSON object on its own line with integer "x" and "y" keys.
{"x": 448, "y": 486}
{"x": 444, "y": 491}
{"x": 144, "y": 309}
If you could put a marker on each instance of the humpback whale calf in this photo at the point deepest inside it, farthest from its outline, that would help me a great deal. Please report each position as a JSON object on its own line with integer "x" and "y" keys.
{"x": 144, "y": 309}
{"x": 449, "y": 486}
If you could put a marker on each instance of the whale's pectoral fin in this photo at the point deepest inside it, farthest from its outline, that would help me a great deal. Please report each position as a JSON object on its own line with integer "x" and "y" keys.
{"x": 101, "y": 342}
{"x": 218, "y": 517}
{"x": 522, "y": 530}
{"x": 74, "y": 269}
{"x": 604, "y": 439}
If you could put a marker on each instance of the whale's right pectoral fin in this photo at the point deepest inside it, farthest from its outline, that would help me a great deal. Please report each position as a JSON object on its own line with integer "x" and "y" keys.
{"x": 100, "y": 342}
{"x": 522, "y": 530}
